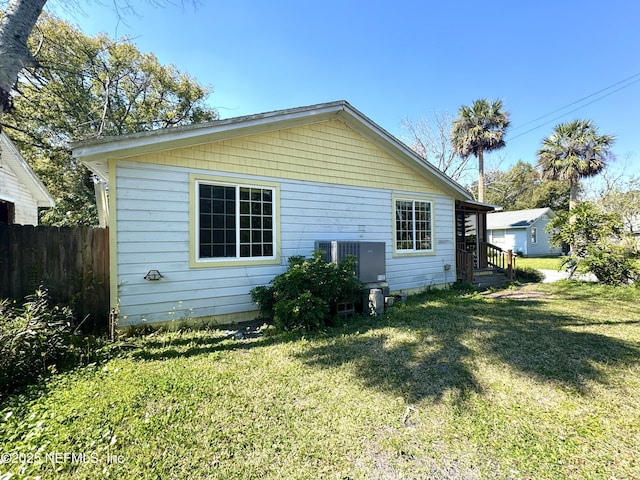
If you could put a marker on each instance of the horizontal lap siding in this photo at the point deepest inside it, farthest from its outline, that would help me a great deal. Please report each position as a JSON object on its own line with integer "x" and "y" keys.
{"x": 152, "y": 204}
{"x": 338, "y": 213}
{"x": 406, "y": 273}
{"x": 12, "y": 189}
{"x": 313, "y": 212}
{"x": 542, "y": 246}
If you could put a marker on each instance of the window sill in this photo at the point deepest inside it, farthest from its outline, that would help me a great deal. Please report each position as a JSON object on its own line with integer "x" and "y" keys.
{"x": 230, "y": 263}
{"x": 423, "y": 253}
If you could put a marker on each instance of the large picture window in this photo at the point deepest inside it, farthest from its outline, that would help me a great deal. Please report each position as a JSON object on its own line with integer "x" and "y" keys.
{"x": 235, "y": 221}
{"x": 414, "y": 225}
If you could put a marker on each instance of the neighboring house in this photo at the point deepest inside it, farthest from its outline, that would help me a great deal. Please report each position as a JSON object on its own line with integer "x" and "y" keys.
{"x": 213, "y": 210}
{"x": 21, "y": 191}
{"x": 522, "y": 231}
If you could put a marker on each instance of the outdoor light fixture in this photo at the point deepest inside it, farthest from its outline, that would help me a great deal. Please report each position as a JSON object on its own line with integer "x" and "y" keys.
{"x": 153, "y": 275}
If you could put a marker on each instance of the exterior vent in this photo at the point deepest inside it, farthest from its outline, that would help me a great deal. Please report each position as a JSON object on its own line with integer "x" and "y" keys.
{"x": 370, "y": 257}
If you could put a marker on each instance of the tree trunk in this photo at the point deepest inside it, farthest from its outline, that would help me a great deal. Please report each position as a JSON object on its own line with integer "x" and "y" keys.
{"x": 15, "y": 27}
{"x": 480, "y": 176}
{"x": 573, "y": 194}
{"x": 573, "y": 201}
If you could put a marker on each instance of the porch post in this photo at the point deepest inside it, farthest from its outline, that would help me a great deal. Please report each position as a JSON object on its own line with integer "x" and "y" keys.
{"x": 481, "y": 238}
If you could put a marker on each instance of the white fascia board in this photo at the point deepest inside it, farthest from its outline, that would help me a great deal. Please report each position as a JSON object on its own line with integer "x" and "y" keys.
{"x": 25, "y": 173}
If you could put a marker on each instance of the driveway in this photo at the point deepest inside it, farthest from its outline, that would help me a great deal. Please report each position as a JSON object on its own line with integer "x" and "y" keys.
{"x": 555, "y": 275}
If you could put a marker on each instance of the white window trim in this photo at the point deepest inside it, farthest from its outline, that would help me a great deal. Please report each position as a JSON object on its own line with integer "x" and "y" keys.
{"x": 414, "y": 199}
{"x": 195, "y": 260}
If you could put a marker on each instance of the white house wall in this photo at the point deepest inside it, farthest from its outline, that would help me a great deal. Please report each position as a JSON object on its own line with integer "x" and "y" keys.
{"x": 508, "y": 239}
{"x": 152, "y": 232}
{"x": 518, "y": 238}
{"x": 543, "y": 246}
{"x": 14, "y": 191}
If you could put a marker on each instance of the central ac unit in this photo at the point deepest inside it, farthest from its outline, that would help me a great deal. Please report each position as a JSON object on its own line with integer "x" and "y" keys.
{"x": 370, "y": 257}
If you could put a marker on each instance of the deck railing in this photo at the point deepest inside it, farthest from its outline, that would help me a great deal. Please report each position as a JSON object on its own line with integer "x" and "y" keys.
{"x": 464, "y": 265}
{"x": 502, "y": 260}
{"x": 491, "y": 256}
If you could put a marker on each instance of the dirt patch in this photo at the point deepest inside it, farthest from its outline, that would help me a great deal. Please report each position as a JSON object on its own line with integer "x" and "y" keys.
{"x": 523, "y": 294}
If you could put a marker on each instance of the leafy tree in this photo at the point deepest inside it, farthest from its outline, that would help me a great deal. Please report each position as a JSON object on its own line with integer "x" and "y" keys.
{"x": 590, "y": 226}
{"x": 596, "y": 239}
{"x": 621, "y": 193}
{"x": 478, "y": 129}
{"x": 627, "y": 205}
{"x": 512, "y": 189}
{"x": 431, "y": 139}
{"x": 573, "y": 151}
{"x": 550, "y": 193}
{"x": 16, "y": 25}
{"x": 88, "y": 87}
{"x": 522, "y": 187}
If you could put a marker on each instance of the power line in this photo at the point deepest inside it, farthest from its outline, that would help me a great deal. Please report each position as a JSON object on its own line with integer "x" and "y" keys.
{"x": 576, "y": 102}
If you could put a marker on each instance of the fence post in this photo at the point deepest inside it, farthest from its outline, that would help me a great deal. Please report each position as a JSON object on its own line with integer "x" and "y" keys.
{"x": 113, "y": 324}
{"x": 510, "y": 268}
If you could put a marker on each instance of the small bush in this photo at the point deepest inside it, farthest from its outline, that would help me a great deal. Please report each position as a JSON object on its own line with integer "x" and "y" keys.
{"x": 307, "y": 294}
{"x": 305, "y": 310}
{"x": 264, "y": 297}
{"x": 35, "y": 340}
{"x": 612, "y": 265}
{"x": 528, "y": 274}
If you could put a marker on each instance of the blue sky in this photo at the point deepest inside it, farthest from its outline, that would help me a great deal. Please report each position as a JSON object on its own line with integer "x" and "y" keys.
{"x": 405, "y": 59}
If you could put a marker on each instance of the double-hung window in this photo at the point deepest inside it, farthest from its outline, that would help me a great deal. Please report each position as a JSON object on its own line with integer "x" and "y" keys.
{"x": 413, "y": 225}
{"x": 235, "y": 221}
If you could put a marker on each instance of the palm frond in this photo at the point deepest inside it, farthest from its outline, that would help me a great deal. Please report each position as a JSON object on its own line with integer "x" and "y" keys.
{"x": 574, "y": 150}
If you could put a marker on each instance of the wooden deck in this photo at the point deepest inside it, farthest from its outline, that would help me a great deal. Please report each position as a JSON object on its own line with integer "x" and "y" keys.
{"x": 491, "y": 267}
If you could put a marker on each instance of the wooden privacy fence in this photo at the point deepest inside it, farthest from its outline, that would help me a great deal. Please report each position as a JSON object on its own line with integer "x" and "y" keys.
{"x": 72, "y": 263}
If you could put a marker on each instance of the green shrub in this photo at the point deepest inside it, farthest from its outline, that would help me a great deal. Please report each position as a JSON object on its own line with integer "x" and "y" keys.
{"x": 305, "y": 310}
{"x": 264, "y": 297}
{"x": 307, "y": 294}
{"x": 35, "y": 340}
{"x": 528, "y": 274}
{"x": 611, "y": 264}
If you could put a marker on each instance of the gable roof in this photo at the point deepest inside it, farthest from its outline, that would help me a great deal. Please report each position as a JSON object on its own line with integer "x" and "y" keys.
{"x": 517, "y": 218}
{"x": 11, "y": 157}
{"x": 97, "y": 153}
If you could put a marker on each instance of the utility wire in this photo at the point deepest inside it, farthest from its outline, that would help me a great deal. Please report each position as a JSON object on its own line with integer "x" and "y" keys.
{"x": 580, "y": 100}
{"x": 577, "y": 108}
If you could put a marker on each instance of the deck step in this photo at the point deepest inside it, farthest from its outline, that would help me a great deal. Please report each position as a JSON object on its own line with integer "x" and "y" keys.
{"x": 485, "y": 272}
{"x": 484, "y": 279}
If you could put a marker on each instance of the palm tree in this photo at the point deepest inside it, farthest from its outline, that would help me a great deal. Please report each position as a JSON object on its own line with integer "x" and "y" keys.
{"x": 478, "y": 129}
{"x": 573, "y": 151}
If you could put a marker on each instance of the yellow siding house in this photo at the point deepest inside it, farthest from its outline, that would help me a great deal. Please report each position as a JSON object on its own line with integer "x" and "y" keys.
{"x": 199, "y": 215}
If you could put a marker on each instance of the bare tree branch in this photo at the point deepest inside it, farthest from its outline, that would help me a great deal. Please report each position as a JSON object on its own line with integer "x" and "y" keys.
{"x": 431, "y": 140}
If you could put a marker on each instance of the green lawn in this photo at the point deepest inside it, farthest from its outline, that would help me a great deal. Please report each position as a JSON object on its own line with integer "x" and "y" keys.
{"x": 540, "y": 263}
{"x": 542, "y": 383}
